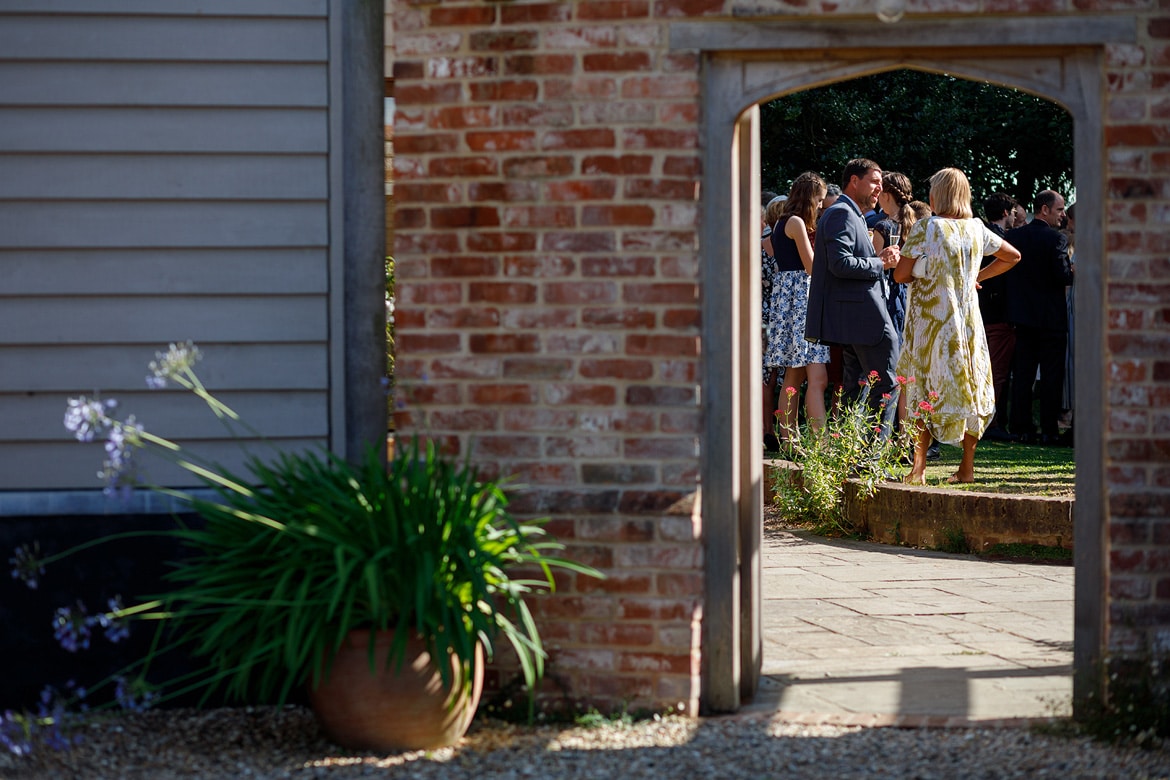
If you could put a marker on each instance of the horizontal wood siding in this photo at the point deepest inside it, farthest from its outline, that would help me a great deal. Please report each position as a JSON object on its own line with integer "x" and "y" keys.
{"x": 164, "y": 176}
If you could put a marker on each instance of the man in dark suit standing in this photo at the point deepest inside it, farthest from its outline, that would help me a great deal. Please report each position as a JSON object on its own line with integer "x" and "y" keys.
{"x": 847, "y": 298}
{"x": 1037, "y": 307}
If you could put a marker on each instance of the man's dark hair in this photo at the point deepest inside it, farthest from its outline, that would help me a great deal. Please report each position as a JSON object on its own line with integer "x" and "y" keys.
{"x": 1045, "y": 198}
{"x": 858, "y": 167}
{"x": 997, "y": 206}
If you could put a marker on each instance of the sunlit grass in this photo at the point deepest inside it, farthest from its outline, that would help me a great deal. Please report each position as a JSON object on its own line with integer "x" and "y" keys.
{"x": 1010, "y": 468}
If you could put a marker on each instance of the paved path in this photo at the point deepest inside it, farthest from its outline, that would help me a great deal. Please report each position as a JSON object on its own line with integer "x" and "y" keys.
{"x": 854, "y": 630}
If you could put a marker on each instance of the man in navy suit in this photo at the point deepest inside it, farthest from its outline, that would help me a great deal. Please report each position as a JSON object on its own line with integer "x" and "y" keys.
{"x": 1037, "y": 307}
{"x": 846, "y": 297}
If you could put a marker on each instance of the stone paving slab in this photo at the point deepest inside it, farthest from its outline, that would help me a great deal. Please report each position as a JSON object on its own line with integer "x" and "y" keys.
{"x": 859, "y": 630}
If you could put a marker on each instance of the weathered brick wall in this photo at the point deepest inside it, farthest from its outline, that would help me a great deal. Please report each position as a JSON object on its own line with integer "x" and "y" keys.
{"x": 545, "y": 236}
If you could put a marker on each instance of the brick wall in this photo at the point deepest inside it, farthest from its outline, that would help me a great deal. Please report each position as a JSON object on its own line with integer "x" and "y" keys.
{"x": 546, "y": 167}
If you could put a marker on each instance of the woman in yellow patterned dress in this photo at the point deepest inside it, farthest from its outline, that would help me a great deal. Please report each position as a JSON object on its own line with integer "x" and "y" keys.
{"x": 944, "y": 346}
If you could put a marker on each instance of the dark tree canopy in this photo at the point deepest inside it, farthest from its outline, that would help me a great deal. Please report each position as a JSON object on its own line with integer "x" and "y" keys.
{"x": 913, "y": 122}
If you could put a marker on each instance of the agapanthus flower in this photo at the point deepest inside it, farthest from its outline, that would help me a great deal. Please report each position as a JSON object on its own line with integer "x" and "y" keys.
{"x": 54, "y": 718}
{"x": 87, "y": 418}
{"x": 116, "y": 628}
{"x": 16, "y": 731}
{"x": 172, "y": 364}
{"x": 71, "y": 628}
{"x": 134, "y": 695}
{"x": 118, "y": 469}
{"x": 27, "y": 565}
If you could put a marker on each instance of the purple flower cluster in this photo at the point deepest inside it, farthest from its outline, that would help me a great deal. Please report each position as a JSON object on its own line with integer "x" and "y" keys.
{"x": 73, "y": 627}
{"x": 173, "y": 365}
{"x": 53, "y": 722}
{"x": 134, "y": 695}
{"x": 118, "y": 469}
{"x": 27, "y": 565}
{"x": 88, "y": 418}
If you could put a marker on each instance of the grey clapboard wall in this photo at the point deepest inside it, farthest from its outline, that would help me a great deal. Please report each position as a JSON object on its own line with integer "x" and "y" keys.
{"x": 164, "y": 176}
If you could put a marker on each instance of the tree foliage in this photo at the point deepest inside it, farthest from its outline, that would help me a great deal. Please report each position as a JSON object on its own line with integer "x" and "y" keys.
{"x": 914, "y": 122}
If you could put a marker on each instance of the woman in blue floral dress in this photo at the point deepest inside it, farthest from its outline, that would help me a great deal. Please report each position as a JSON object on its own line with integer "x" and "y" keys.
{"x": 786, "y": 346}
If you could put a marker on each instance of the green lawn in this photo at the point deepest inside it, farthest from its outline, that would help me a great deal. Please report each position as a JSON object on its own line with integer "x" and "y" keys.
{"x": 1010, "y": 468}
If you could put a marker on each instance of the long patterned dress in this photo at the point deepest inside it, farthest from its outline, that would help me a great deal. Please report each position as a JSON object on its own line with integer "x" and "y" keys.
{"x": 945, "y": 347}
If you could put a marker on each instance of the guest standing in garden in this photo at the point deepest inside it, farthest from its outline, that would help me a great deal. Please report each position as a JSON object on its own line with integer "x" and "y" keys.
{"x": 792, "y": 247}
{"x": 945, "y": 347}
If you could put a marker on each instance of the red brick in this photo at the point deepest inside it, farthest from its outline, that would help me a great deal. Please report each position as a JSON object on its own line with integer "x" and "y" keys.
{"x": 462, "y": 317}
{"x": 427, "y": 342}
{"x": 545, "y": 473}
{"x": 538, "y": 167}
{"x": 688, "y": 7}
{"x": 615, "y": 529}
{"x": 578, "y": 395}
{"x": 465, "y": 419}
{"x": 644, "y": 138}
{"x": 501, "y": 343}
{"x": 643, "y": 395}
{"x": 579, "y": 241}
{"x": 463, "y": 15}
{"x": 680, "y": 585}
{"x": 617, "y": 266}
{"x": 1126, "y": 476}
{"x": 440, "y": 293}
{"x": 1162, "y": 590}
{"x": 659, "y": 240}
{"x": 660, "y": 87}
{"x": 537, "y": 419}
{"x": 672, "y": 346}
{"x": 661, "y": 293}
{"x": 616, "y": 369}
{"x": 581, "y": 189}
{"x": 618, "y": 165}
{"x": 464, "y": 116}
{"x": 464, "y": 265}
{"x": 581, "y": 447}
{"x": 426, "y": 192}
{"x": 628, "y": 634}
{"x": 681, "y": 319}
{"x": 554, "y": 266}
{"x": 539, "y": 216}
{"x": 621, "y": 62}
{"x": 681, "y": 422}
{"x": 465, "y": 216}
{"x": 406, "y": 70}
{"x": 464, "y": 367}
{"x": 654, "y": 609}
{"x": 655, "y": 662}
{"x": 543, "y": 115}
{"x": 430, "y": 394}
{"x": 616, "y": 421}
{"x": 503, "y": 40}
{"x": 579, "y": 292}
{"x": 504, "y": 140}
{"x": 596, "y": 138}
{"x": 581, "y": 88}
{"x": 661, "y": 189}
{"x": 410, "y": 218}
{"x": 423, "y": 94}
{"x": 494, "y": 395}
{"x": 536, "y": 12}
{"x": 424, "y": 243}
{"x": 666, "y": 447}
{"x": 539, "y": 64}
{"x": 502, "y": 191}
{"x": 482, "y": 241}
{"x": 577, "y": 607}
{"x": 613, "y": 9}
{"x": 618, "y": 318}
{"x": 504, "y": 91}
{"x": 506, "y": 446}
{"x": 619, "y": 215}
{"x": 538, "y": 368}
{"x": 690, "y": 167}
{"x": 539, "y": 319}
{"x": 614, "y": 584}
{"x": 501, "y": 292}
{"x": 1136, "y": 135}
{"x": 463, "y": 167}
{"x": 460, "y": 67}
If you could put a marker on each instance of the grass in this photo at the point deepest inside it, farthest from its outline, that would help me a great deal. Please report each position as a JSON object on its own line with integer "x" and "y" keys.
{"x": 1010, "y": 468}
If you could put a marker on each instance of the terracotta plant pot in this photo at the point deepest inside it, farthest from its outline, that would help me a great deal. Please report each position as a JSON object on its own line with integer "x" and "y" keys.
{"x": 388, "y": 711}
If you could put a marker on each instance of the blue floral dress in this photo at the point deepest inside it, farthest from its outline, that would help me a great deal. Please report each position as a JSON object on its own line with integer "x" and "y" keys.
{"x": 788, "y": 309}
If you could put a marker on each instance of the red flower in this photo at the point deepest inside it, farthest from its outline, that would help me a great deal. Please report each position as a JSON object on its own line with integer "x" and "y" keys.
{"x": 790, "y": 391}
{"x": 925, "y": 406}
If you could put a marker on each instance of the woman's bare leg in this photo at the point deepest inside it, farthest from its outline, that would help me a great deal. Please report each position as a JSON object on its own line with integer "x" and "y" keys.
{"x": 917, "y": 475}
{"x": 814, "y": 396}
{"x": 966, "y": 472}
{"x": 788, "y": 404}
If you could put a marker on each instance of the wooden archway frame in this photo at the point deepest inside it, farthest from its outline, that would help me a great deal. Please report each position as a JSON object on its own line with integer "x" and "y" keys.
{"x": 747, "y": 62}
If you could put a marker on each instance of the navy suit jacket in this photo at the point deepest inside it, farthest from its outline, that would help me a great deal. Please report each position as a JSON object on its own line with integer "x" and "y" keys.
{"x": 846, "y": 296}
{"x": 1035, "y": 286}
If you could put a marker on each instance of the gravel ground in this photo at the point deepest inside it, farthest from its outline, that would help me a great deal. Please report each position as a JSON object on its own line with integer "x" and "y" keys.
{"x": 265, "y": 742}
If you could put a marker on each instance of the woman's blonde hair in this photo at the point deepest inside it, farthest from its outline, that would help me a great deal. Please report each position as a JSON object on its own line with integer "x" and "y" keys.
{"x": 950, "y": 194}
{"x": 804, "y": 200}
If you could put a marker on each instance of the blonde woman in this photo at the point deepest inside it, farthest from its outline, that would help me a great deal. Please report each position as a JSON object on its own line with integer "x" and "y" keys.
{"x": 944, "y": 344}
{"x": 802, "y": 360}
